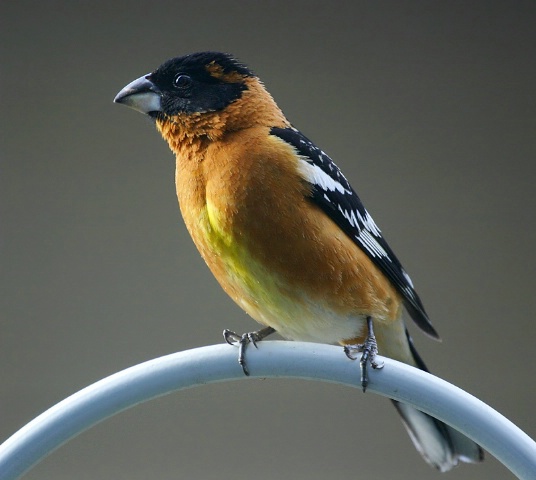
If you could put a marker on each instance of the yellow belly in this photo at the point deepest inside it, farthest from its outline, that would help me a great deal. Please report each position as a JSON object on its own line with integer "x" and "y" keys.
{"x": 263, "y": 294}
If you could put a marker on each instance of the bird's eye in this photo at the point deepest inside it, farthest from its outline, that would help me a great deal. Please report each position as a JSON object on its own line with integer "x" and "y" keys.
{"x": 182, "y": 81}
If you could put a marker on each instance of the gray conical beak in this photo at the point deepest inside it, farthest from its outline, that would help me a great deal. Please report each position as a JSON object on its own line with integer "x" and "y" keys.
{"x": 141, "y": 95}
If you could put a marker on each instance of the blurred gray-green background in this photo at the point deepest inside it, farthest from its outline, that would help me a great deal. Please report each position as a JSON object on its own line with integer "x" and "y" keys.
{"x": 429, "y": 109}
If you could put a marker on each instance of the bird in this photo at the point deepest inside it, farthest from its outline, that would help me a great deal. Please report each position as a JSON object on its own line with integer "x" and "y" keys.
{"x": 282, "y": 230}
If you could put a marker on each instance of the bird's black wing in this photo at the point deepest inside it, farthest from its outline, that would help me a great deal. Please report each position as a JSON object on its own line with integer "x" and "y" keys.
{"x": 335, "y": 196}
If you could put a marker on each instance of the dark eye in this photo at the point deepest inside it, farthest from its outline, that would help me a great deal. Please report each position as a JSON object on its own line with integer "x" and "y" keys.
{"x": 182, "y": 81}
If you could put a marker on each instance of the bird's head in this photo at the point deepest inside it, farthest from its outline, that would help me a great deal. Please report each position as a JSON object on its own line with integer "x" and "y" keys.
{"x": 201, "y": 94}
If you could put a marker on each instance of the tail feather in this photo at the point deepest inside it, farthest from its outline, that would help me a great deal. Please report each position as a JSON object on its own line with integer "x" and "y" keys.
{"x": 440, "y": 445}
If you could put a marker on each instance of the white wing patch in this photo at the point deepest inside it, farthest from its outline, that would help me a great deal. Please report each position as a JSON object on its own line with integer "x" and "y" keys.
{"x": 371, "y": 244}
{"x": 406, "y": 276}
{"x": 362, "y": 222}
{"x": 315, "y": 175}
{"x": 358, "y": 221}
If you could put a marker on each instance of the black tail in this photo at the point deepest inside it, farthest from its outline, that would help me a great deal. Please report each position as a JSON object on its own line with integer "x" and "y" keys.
{"x": 440, "y": 445}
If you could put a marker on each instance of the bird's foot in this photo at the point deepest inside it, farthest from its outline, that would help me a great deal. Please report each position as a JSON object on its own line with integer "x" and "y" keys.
{"x": 368, "y": 350}
{"x": 245, "y": 339}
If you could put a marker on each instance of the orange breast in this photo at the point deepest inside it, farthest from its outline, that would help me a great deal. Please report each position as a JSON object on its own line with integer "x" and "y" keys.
{"x": 273, "y": 251}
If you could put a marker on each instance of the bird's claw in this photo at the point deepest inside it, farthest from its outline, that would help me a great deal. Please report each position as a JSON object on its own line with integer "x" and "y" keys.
{"x": 243, "y": 340}
{"x": 369, "y": 351}
{"x": 231, "y": 337}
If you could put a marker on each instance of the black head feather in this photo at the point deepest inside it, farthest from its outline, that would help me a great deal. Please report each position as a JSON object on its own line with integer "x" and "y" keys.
{"x": 194, "y": 83}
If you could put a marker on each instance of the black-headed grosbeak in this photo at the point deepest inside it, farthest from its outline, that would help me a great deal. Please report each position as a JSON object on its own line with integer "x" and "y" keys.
{"x": 281, "y": 229}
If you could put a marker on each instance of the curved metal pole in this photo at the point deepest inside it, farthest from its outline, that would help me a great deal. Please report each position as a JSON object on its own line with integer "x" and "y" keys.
{"x": 217, "y": 363}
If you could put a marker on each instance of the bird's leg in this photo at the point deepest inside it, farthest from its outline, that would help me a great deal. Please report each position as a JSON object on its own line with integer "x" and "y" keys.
{"x": 243, "y": 340}
{"x": 369, "y": 351}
